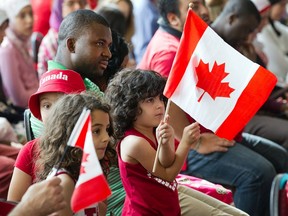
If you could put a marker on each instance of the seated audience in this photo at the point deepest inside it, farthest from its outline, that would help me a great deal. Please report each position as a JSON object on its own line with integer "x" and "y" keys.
{"x": 19, "y": 78}
{"x": 219, "y": 160}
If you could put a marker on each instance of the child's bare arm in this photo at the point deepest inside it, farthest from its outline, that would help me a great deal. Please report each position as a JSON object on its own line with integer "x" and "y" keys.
{"x": 191, "y": 135}
{"x": 19, "y": 184}
{"x": 137, "y": 150}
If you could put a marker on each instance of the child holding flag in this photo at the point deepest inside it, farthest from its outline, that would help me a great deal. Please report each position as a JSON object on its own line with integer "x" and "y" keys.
{"x": 138, "y": 108}
{"x": 52, "y": 145}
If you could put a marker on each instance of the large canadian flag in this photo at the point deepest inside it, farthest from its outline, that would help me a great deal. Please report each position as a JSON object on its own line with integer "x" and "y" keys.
{"x": 213, "y": 83}
{"x": 91, "y": 186}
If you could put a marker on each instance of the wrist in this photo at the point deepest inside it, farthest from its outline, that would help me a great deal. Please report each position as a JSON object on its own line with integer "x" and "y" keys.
{"x": 21, "y": 209}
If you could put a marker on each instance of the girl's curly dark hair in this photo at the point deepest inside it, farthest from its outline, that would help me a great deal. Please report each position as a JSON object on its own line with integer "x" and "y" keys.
{"x": 126, "y": 90}
{"x": 52, "y": 144}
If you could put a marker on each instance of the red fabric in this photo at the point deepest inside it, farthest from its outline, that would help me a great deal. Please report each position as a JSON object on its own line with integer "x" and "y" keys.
{"x": 92, "y": 3}
{"x": 145, "y": 193}
{"x": 91, "y": 185}
{"x": 215, "y": 190}
{"x": 91, "y": 175}
{"x": 6, "y": 171}
{"x": 6, "y": 207}
{"x": 92, "y": 210}
{"x": 57, "y": 80}
{"x": 41, "y": 12}
{"x": 78, "y": 135}
{"x": 8, "y": 155}
{"x": 283, "y": 201}
{"x": 9, "y": 151}
{"x": 261, "y": 78}
{"x": 160, "y": 53}
{"x": 227, "y": 115}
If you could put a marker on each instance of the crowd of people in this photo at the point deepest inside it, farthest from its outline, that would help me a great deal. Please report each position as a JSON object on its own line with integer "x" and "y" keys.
{"x": 113, "y": 57}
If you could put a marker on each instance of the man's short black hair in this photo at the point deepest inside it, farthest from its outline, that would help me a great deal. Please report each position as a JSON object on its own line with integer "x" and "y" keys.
{"x": 168, "y": 6}
{"x": 77, "y": 22}
{"x": 241, "y": 7}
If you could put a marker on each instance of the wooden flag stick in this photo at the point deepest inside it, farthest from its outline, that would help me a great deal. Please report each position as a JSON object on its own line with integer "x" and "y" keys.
{"x": 159, "y": 144}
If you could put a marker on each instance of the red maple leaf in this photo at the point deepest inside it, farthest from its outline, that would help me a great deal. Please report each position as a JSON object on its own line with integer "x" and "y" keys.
{"x": 84, "y": 159}
{"x": 210, "y": 82}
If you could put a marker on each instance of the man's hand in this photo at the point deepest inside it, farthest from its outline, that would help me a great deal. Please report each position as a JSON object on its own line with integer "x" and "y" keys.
{"x": 211, "y": 143}
{"x": 42, "y": 198}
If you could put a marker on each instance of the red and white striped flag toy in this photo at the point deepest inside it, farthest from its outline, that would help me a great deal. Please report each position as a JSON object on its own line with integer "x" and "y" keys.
{"x": 212, "y": 82}
{"x": 91, "y": 186}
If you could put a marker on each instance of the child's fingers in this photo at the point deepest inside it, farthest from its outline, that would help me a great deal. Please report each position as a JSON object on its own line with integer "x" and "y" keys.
{"x": 165, "y": 127}
{"x": 165, "y": 133}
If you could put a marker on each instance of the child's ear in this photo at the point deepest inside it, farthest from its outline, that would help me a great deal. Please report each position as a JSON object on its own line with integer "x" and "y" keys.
{"x": 70, "y": 43}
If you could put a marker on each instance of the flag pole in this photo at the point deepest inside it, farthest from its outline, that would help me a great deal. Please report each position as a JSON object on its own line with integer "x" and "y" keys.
{"x": 57, "y": 165}
{"x": 159, "y": 145}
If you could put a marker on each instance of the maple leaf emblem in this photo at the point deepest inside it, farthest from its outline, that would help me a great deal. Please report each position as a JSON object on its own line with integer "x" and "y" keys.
{"x": 210, "y": 82}
{"x": 84, "y": 159}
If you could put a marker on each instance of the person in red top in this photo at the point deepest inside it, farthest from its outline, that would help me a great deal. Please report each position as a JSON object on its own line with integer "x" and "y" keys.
{"x": 58, "y": 129}
{"x": 41, "y": 11}
{"x": 248, "y": 163}
{"x": 138, "y": 107}
{"x": 53, "y": 84}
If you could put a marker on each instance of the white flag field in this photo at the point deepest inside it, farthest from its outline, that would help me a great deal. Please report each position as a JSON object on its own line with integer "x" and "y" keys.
{"x": 215, "y": 84}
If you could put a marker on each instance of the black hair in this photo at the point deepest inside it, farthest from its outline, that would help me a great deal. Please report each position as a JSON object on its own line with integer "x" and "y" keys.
{"x": 75, "y": 23}
{"x": 168, "y": 6}
{"x": 241, "y": 7}
{"x": 126, "y": 90}
{"x": 119, "y": 50}
{"x": 114, "y": 17}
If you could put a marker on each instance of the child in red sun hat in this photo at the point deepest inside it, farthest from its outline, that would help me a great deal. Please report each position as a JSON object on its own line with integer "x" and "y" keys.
{"x": 52, "y": 86}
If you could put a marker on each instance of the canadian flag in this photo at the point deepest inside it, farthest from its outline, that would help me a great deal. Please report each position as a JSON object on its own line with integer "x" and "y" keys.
{"x": 91, "y": 186}
{"x": 212, "y": 82}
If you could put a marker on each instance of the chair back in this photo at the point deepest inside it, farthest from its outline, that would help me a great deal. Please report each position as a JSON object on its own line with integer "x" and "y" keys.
{"x": 27, "y": 125}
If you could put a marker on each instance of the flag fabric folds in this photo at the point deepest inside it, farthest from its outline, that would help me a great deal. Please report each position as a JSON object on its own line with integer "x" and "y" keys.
{"x": 91, "y": 186}
{"x": 213, "y": 83}
{"x": 78, "y": 135}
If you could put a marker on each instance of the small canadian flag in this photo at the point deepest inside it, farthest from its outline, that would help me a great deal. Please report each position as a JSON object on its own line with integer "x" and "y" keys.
{"x": 212, "y": 82}
{"x": 91, "y": 186}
